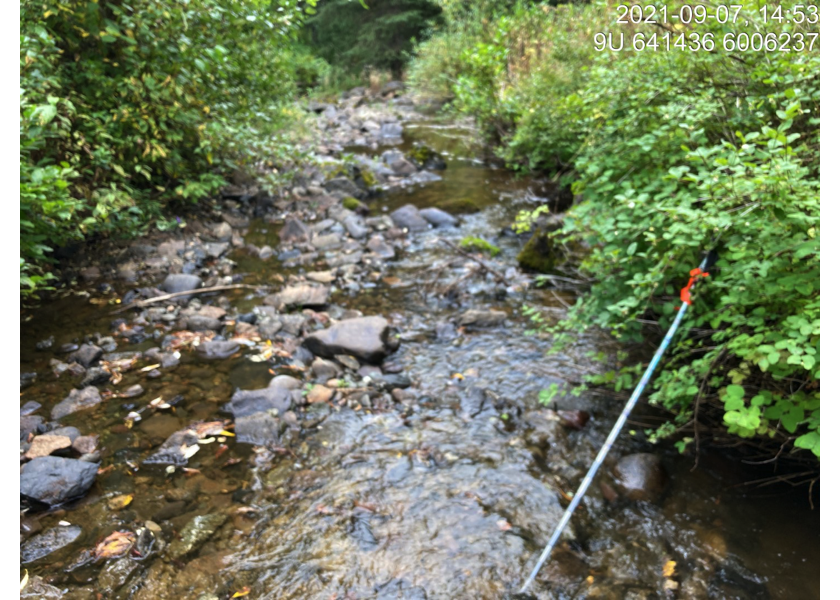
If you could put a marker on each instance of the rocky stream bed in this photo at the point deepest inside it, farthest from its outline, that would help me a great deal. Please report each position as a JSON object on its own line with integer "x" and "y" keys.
{"x": 359, "y": 418}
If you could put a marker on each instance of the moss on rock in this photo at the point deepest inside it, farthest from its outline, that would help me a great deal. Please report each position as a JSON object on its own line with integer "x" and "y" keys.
{"x": 351, "y": 203}
{"x": 540, "y": 253}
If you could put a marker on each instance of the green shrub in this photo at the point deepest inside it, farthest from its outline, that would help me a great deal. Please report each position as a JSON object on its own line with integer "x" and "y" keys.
{"x": 127, "y": 108}
{"x": 670, "y": 151}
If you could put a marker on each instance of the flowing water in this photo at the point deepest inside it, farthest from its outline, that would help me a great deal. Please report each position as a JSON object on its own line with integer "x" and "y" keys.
{"x": 449, "y": 495}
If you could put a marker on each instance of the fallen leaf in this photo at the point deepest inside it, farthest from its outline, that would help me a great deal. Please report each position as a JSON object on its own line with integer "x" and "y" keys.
{"x": 115, "y": 545}
{"x": 243, "y": 592}
{"x": 149, "y": 368}
{"x": 668, "y": 568}
{"x": 190, "y": 472}
{"x": 590, "y": 580}
{"x": 120, "y": 502}
{"x": 25, "y": 579}
{"x": 458, "y": 376}
{"x": 220, "y": 450}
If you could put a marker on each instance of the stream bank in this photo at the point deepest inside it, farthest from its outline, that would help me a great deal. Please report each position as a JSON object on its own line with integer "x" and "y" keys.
{"x": 382, "y": 395}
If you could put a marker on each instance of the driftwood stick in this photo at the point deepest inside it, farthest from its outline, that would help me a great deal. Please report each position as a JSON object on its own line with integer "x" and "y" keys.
{"x": 487, "y": 267}
{"x": 216, "y": 288}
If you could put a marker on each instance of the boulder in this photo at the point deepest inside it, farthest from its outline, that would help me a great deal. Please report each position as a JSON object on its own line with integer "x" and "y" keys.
{"x": 409, "y": 217}
{"x": 221, "y": 231}
{"x": 355, "y": 226}
{"x": 343, "y": 185}
{"x": 380, "y": 247}
{"x": 438, "y": 217}
{"x": 258, "y": 413}
{"x": 53, "y": 480}
{"x": 180, "y": 282}
{"x": 44, "y": 445}
{"x": 86, "y": 355}
{"x": 43, "y": 544}
{"x": 77, "y": 400}
{"x": 366, "y": 338}
{"x": 641, "y": 477}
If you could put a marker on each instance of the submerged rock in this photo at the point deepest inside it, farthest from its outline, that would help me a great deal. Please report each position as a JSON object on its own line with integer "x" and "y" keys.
{"x": 300, "y": 295}
{"x": 366, "y": 338}
{"x": 42, "y": 544}
{"x": 641, "y": 477}
{"x": 53, "y": 480}
{"x": 194, "y": 534}
{"x": 77, "y": 400}
{"x": 258, "y": 413}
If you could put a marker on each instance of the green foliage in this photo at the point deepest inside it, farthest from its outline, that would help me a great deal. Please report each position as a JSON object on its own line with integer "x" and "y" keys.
{"x": 126, "y": 108}
{"x": 377, "y": 34}
{"x": 696, "y": 147}
{"x": 476, "y": 243}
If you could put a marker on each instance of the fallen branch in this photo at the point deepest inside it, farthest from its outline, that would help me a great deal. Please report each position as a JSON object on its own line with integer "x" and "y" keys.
{"x": 488, "y": 268}
{"x": 216, "y": 288}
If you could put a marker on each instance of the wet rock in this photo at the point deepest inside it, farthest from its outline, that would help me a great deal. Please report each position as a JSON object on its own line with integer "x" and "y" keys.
{"x": 325, "y": 369}
{"x": 180, "y": 282}
{"x": 403, "y": 167}
{"x": 424, "y": 177}
{"x": 27, "y": 379}
{"x": 77, "y": 400}
{"x": 43, "y": 544}
{"x": 391, "y": 131}
{"x": 172, "y": 451}
{"x": 195, "y": 534}
{"x": 221, "y": 231}
{"x": 379, "y": 246}
{"x": 573, "y": 419}
{"x": 366, "y": 338}
{"x": 65, "y": 348}
{"x": 215, "y": 350}
{"x": 409, "y": 217}
{"x": 482, "y": 318}
{"x": 344, "y": 259}
{"x": 95, "y": 376}
{"x": 132, "y": 391}
{"x": 85, "y": 444}
{"x": 641, "y": 477}
{"x": 38, "y": 589}
{"x": 438, "y": 218}
{"x": 393, "y": 381}
{"x": 86, "y": 355}
{"x": 115, "y": 574}
{"x": 300, "y": 295}
{"x": 29, "y": 408}
{"x": 70, "y": 432}
{"x": 202, "y": 323}
{"x": 319, "y": 393}
{"x": 44, "y": 445}
{"x": 258, "y": 412}
{"x": 294, "y": 231}
{"x": 343, "y": 185}
{"x": 265, "y": 252}
{"x": 170, "y": 510}
{"x": 355, "y": 226}
{"x": 369, "y": 371}
{"x": 53, "y": 480}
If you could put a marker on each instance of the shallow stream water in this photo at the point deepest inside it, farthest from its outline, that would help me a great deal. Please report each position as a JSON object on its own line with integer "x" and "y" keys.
{"x": 451, "y": 496}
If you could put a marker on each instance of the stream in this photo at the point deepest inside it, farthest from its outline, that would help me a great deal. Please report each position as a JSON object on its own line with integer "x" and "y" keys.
{"x": 431, "y": 473}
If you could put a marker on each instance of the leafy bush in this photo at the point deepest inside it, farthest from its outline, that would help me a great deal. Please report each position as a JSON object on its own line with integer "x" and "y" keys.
{"x": 670, "y": 151}
{"x": 126, "y": 107}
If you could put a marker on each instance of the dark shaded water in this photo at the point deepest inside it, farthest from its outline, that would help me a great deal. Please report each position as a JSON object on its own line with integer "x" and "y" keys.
{"x": 450, "y": 496}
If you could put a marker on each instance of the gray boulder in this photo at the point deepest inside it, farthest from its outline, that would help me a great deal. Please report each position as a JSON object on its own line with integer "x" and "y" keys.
{"x": 482, "y": 318}
{"x": 54, "y": 480}
{"x": 86, "y": 355}
{"x": 438, "y": 217}
{"x": 215, "y": 350}
{"x": 410, "y": 218}
{"x": 366, "y": 338}
{"x": 75, "y": 401}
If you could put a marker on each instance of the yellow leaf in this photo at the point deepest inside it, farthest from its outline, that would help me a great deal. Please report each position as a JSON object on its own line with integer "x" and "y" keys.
{"x": 25, "y": 579}
{"x": 590, "y": 580}
{"x": 458, "y": 376}
{"x": 668, "y": 568}
{"x": 116, "y": 544}
{"x": 48, "y": 13}
{"x": 207, "y": 110}
{"x": 227, "y": 433}
{"x": 243, "y": 592}
{"x": 120, "y": 502}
